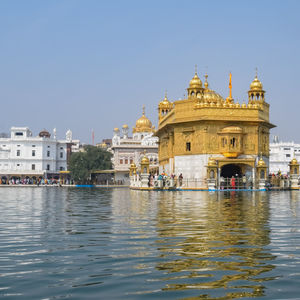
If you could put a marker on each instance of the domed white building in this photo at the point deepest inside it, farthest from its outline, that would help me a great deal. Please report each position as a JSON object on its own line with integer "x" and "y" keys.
{"x": 127, "y": 150}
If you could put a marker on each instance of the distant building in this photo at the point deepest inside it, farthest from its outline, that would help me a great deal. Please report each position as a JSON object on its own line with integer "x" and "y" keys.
{"x": 127, "y": 150}
{"x": 24, "y": 155}
{"x": 281, "y": 153}
{"x": 106, "y": 144}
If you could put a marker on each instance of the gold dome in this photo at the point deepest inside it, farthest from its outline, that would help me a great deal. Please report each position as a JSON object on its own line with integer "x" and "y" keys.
{"x": 256, "y": 85}
{"x": 195, "y": 82}
{"x": 261, "y": 163}
{"x": 294, "y": 161}
{"x": 145, "y": 160}
{"x": 116, "y": 129}
{"x": 125, "y": 126}
{"x": 165, "y": 103}
{"x": 143, "y": 124}
{"x": 212, "y": 162}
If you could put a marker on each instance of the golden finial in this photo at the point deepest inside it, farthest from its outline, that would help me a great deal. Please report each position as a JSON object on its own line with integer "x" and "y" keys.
{"x": 143, "y": 109}
{"x": 256, "y": 72}
{"x": 230, "y": 86}
{"x": 206, "y": 83}
{"x": 195, "y": 69}
{"x": 166, "y": 96}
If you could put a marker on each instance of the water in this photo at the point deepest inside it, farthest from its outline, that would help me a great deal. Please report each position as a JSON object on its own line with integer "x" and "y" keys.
{"x": 70, "y": 243}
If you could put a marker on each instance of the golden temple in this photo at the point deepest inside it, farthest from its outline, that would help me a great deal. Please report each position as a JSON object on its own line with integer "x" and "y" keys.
{"x": 206, "y": 130}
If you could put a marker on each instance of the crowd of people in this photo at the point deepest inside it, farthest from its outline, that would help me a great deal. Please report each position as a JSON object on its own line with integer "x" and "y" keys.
{"x": 164, "y": 178}
{"x": 34, "y": 181}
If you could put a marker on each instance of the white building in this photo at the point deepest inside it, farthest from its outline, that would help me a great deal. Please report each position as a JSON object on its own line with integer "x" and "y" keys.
{"x": 25, "y": 155}
{"x": 281, "y": 153}
{"x": 127, "y": 150}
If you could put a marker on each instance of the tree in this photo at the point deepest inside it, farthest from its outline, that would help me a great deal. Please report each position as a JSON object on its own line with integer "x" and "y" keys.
{"x": 82, "y": 163}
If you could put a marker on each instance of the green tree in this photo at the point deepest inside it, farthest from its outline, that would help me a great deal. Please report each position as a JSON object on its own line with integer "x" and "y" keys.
{"x": 82, "y": 163}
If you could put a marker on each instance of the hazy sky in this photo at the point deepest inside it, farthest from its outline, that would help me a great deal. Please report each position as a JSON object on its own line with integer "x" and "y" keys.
{"x": 93, "y": 64}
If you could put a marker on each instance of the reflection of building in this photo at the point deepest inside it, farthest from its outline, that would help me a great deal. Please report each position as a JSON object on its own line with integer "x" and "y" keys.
{"x": 25, "y": 155}
{"x": 281, "y": 153}
{"x": 213, "y": 242}
{"x": 206, "y": 125}
{"x": 128, "y": 150}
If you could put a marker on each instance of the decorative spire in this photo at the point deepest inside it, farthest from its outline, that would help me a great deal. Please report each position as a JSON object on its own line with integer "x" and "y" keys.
{"x": 256, "y": 72}
{"x": 143, "y": 109}
{"x": 206, "y": 83}
{"x": 166, "y": 96}
{"x": 230, "y": 86}
{"x": 195, "y": 69}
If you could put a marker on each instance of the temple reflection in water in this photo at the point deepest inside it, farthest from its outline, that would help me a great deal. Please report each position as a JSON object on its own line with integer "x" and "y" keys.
{"x": 215, "y": 244}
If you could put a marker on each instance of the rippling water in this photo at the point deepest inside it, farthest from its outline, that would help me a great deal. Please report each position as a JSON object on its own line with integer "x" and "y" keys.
{"x": 70, "y": 243}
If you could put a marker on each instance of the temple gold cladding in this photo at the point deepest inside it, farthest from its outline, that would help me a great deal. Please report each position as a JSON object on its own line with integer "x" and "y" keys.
{"x": 206, "y": 123}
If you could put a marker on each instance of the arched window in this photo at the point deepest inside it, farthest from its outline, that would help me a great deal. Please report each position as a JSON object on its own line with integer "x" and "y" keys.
{"x": 262, "y": 174}
{"x": 212, "y": 174}
{"x": 192, "y": 94}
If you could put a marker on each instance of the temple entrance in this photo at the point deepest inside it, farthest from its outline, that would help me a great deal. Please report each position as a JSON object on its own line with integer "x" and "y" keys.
{"x": 230, "y": 170}
{"x": 235, "y": 177}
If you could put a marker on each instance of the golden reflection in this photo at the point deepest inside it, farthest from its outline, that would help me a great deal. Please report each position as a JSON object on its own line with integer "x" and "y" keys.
{"x": 214, "y": 242}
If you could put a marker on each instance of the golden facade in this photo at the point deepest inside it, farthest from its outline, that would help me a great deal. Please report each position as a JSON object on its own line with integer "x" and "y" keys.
{"x": 207, "y": 124}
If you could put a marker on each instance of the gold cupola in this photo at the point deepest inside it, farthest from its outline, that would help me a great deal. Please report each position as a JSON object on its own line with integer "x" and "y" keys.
{"x": 164, "y": 107}
{"x": 143, "y": 124}
{"x": 256, "y": 92}
{"x": 195, "y": 88}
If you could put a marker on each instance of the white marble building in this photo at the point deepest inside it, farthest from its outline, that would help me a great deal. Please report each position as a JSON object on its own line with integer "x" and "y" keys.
{"x": 281, "y": 153}
{"x": 23, "y": 154}
{"x": 127, "y": 150}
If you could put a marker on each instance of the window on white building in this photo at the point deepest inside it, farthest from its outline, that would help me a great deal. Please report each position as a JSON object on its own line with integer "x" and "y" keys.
{"x": 33, "y": 167}
{"x": 19, "y": 133}
{"x": 286, "y": 149}
{"x": 61, "y": 168}
{"x": 48, "y": 153}
{"x": 288, "y": 155}
{"x": 61, "y": 154}
{"x": 18, "y": 152}
{"x": 33, "y": 152}
{"x": 33, "y": 145}
{"x": 48, "y": 167}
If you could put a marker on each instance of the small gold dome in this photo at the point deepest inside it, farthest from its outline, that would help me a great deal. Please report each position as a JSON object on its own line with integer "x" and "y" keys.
{"x": 261, "y": 162}
{"x": 145, "y": 160}
{"x": 116, "y": 129}
{"x": 195, "y": 82}
{"x": 212, "y": 162}
{"x": 165, "y": 103}
{"x": 132, "y": 166}
{"x": 125, "y": 126}
{"x": 256, "y": 85}
{"x": 294, "y": 161}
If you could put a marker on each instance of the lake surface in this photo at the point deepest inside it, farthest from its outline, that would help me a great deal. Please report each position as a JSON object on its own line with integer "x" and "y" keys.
{"x": 71, "y": 243}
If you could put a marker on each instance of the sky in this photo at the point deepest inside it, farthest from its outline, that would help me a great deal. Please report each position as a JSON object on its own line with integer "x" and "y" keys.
{"x": 91, "y": 65}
